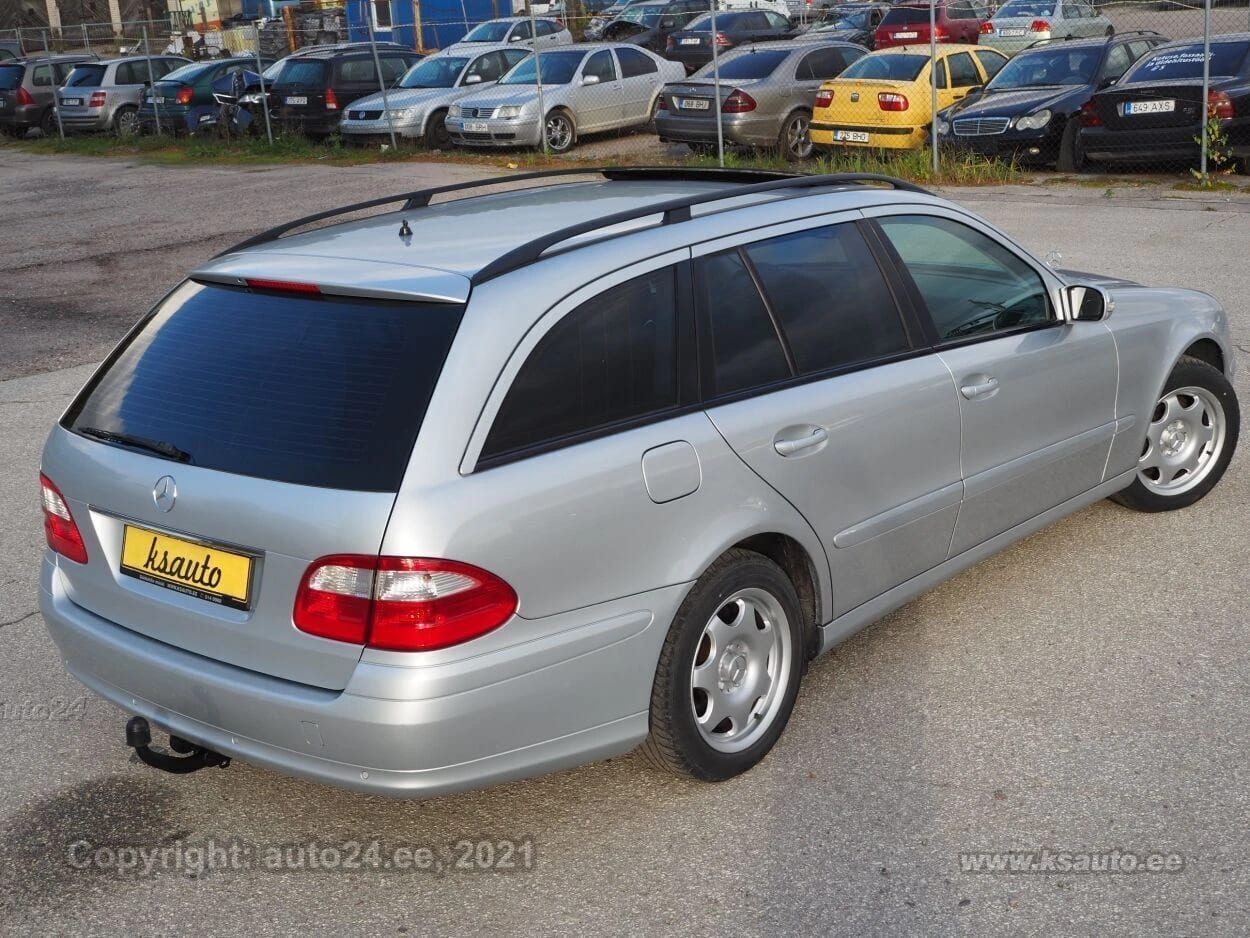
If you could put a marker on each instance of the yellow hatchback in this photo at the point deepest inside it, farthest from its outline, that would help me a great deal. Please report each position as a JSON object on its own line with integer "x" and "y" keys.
{"x": 883, "y": 99}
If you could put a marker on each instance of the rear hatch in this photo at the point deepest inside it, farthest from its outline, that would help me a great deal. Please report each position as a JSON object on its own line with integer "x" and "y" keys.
{"x": 84, "y": 81}
{"x": 252, "y": 431}
{"x": 1157, "y": 106}
{"x": 904, "y": 26}
{"x": 10, "y": 81}
{"x": 300, "y": 85}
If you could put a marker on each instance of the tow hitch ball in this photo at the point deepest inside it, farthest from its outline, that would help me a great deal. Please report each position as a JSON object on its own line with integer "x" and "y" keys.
{"x": 193, "y": 758}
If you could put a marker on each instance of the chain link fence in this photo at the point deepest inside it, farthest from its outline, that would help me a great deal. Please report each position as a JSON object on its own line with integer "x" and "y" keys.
{"x": 951, "y": 87}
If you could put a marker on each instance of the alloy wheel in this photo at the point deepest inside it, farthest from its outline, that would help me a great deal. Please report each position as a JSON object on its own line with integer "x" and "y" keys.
{"x": 1183, "y": 441}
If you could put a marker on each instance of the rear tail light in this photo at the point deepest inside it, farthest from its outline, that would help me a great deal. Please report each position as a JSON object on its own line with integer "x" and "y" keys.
{"x": 400, "y": 603}
{"x": 1089, "y": 115}
{"x": 1220, "y": 105}
{"x": 24, "y": 97}
{"x": 722, "y": 40}
{"x": 942, "y": 33}
{"x": 184, "y": 96}
{"x": 332, "y": 100}
{"x": 662, "y": 104}
{"x": 286, "y": 286}
{"x": 987, "y": 28}
{"x": 738, "y": 102}
{"x": 58, "y": 524}
{"x": 824, "y": 97}
{"x": 889, "y": 101}
{"x": 97, "y": 99}
{"x": 1040, "y": 26}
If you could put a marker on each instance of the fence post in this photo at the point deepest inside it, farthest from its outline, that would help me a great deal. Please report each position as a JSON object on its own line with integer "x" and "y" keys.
{"x": 56, "y": 102}
{"x": 538, "y": 79}
{"x": 933, "y": 83}
{"x": 86, "y": 38}
{"x": 1206, "y": 84}
{"x": 264, "y": 95}
{"x": 156, "y": 105}
{"x": 377, "y": 63}
{"x": 720, "y": 120}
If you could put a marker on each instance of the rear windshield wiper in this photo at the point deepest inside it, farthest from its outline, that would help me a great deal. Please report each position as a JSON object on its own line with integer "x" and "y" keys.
{"x": 160, "y": 448}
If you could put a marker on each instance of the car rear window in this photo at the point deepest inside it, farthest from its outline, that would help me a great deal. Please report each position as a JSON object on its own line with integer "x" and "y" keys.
{"x": 300, "y": 73}
{"x": 889, "y": 67}
{"x": 11, "y": 76}
{"x": 189, "y": 73}
{"x": 86, "y": 76}
{"x": 316, "y": 390}
{"x": 749, "y": 64}
{"x": 900, "y": 16}
{"x": 1186, "y": 62}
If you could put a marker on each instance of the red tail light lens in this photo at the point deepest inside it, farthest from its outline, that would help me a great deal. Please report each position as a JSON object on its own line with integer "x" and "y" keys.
{"x": 987, "y": 28}
{"x": 332, "y": 100}
{"x": 184, "y": 96}
{"x": 24, "y": 97}
{"x": 889, "y": 101}
{"x": 1089, "y": 116}
{"x": 722, "y": 39}
{"x": 1040, "y": 26}
{"x": 97, "y": 99}
{"x": 824, "y": 97}
{"x": 58, "y": 524}
{"x": 286, "y": 286}
{"x": 400, "y": 603}
{"x": 738, "y": 102}
{"x": 1220, "y": 105}
{"x": 942, "y": 33}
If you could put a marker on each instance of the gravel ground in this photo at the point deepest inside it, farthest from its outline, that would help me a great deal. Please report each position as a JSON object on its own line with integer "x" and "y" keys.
{"x": 1084, "y": 690}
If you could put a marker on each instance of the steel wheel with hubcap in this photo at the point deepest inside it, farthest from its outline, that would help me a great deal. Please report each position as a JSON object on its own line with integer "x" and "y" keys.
{"x": 729, "y": 671}
{"x": 1190, "y": 438}
{"x": 560, "y": 132}
{"x": 795, "y": 139}
{"x": 126, "y": 122}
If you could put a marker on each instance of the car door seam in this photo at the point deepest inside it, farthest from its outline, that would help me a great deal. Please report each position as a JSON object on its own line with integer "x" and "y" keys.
{"x": 1115, "y": 411}
{"x": 963, "y": 485}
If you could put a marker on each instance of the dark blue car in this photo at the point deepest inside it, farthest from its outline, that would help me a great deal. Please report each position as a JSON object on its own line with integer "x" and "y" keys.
{"x": 184, "y": 97}
{"x": 1029, "y": 111}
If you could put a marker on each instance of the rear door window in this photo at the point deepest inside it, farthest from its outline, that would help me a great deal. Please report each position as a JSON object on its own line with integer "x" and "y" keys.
{"x": 821, "y": 64}
{"x": 830, "y": 297}
{"x": 610, "y": 361}
{"x": 963, "y": 72}
{"x": 635, "y": 63}
{"x": 42, "y": 76}
{"x": 746, "y": 350}
{"x": 316, "y": 390}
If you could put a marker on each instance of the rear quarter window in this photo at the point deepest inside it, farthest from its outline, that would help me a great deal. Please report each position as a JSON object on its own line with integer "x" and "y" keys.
{"x": 315, "y": 390}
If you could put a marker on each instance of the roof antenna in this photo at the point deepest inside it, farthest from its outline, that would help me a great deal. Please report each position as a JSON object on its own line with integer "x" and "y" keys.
{"x": 404, "y": 230}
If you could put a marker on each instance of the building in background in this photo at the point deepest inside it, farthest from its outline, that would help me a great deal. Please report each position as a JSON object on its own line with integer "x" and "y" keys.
{"x": 439, "y": 22}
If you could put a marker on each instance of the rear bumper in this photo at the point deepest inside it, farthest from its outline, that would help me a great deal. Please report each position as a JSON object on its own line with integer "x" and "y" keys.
{"x": 1157, "y": 145}
{"x": 84, "y": 121}
{"x": 21, "y": 115}
{"x": 879, "y": 137}
{"x": 578, "y": 694}
{"x": 744, "y": 132}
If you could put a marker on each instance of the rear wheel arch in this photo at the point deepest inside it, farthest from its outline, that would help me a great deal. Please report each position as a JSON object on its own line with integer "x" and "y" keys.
{"x": 794, "y": 560}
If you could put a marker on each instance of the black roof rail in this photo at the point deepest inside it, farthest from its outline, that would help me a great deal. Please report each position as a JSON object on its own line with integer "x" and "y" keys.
{"x": 673, "y": 210}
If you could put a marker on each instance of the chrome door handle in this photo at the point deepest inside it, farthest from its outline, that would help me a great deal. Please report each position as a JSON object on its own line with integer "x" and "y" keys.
{"x": 790, "y": 447}
{"x": 980, "y": 389}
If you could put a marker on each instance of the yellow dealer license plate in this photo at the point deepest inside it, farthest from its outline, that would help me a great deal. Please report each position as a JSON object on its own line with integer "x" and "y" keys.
{"x": 204, "y": 571}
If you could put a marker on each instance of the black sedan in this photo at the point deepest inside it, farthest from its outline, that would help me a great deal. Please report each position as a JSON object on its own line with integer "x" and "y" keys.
{"x": 850, "y": 22}
{"x": 692, "y": 46}
{"x": 1028, "y": 111}
{"x": 1156, "y": 111}
{"x": 650, "y": 24}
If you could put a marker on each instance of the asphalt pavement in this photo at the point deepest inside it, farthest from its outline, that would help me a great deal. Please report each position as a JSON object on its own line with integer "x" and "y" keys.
{"x": 1084, "y": 691}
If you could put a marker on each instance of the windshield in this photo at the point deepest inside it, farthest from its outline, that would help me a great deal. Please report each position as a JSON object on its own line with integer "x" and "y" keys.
{"x": 644, "y": 14}
{"x": 889, "y": 67}
{"x": 436, "y": 72}
{"x": 1054, "y": 66}
{"x": 846, "y": 18}
{"x": 85, "y": 76}
{"x": 558, "y": 68}
{"x": 188, "y": 73}
{"x": 298, "y": 73}
{"x": 750, "y": 64}
{"x": 1025, "y": 8}
{"x": 494, "y": 31}
{"x": 703, "y": 23}
{"x": 1186, "y": 62}
{"x": 11, "y": 76}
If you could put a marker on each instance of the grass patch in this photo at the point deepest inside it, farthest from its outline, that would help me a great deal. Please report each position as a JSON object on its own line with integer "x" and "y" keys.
{"x": 954, "y": 168}
{"x": 1212, "y": 185}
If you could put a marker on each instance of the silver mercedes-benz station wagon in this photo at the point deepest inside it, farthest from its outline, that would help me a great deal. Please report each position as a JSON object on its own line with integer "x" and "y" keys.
{"x": 494, "y": 484}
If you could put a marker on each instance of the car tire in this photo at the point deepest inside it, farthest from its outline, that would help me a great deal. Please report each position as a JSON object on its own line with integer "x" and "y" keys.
{"x": 126, "y": 121}
{"x": 436, "y": 136}
{"x": 561, "y": 133}
{"x": 1070, "y": 159}
{"x": 655, "y": 109}
{"x": 1190, "y": 438}
{"x": 794, "y": 142}
{"x": 48, "y": 125}
{"x": 735, "y": 650}
{"x": 1110, "y": 31}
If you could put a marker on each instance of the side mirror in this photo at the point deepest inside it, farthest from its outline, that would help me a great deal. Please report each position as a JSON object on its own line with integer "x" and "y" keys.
{"x": 1106, "y": 83}
{"x": 472, "y": 79}
{"x": 1088, "y": 303}
{"x": 590, "y": 79}
{"x": 514, "y": 38}
{"x": 668, "y": 22}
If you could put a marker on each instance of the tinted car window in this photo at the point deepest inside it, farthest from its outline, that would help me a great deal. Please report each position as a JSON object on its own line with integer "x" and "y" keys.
{"x": 907, "y": 16}
{"x": 558, "y": 68}
{"x": 970, "y": 283}
{"x": 1117, "y": 63}
{"x": 11, "y": 77}
{"x": 42, "y": 76}
{"x": 86, "y": 76}
{"x": 829, "y": 296}
{"x": 821, "y": 64}
{"x": 634, "y": 63}
{"x": 1186, "y": 62}
{"x": 1048, "y": 66}
{"x": 746, "y": 350}
{"x": 601, "y": 66}
{"x": 962, "y": 70}
{"x": 612, "y": 359}
{"x": 776, "y": 20}
{"x": 358, "y": 71}
{"x": 899, "y": 67}
{"x": 315, "y": 390}
{"x": 752, "y": 64}
{"x": 993, "y": 64}
{"x": 300, "y": 73}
